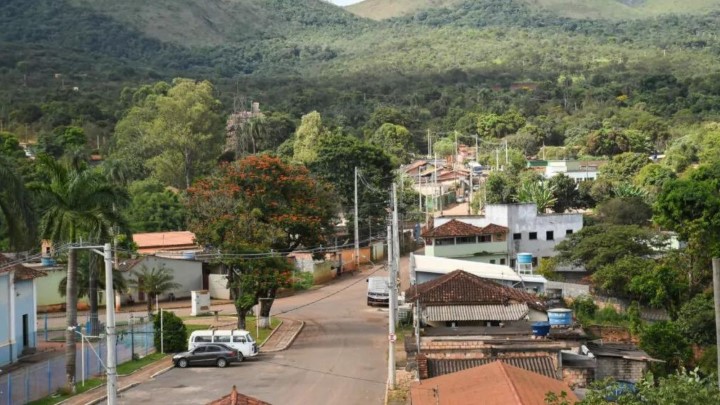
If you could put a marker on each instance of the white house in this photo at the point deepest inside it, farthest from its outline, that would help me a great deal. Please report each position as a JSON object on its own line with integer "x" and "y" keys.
{"x": 18, "y": 306}
{"x": 528, "y": 231}
{"x": 428, "y": 268}
{"x": 188, "y": 273}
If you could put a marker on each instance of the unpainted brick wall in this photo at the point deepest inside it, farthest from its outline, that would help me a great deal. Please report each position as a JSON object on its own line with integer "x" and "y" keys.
{"x": 577, "y": 377}
{"x": 620, "y": 369}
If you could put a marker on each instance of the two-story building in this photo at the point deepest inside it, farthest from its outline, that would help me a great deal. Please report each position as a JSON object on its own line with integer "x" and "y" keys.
{"x": 527, "y": 231}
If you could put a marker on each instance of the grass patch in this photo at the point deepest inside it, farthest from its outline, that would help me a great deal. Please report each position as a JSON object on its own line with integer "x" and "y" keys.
{"x": 133, "y": 365}
{"x": 79, "y": 388}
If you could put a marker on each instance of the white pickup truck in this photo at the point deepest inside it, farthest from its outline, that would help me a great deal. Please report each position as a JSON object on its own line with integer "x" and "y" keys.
{"x": 378, "y": 291}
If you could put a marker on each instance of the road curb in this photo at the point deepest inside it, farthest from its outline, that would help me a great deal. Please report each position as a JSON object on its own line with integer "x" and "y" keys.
{"x": 163, "y": 371}
{"x": 272, "y": 333}
{"x": 292, "y": 339}
{"x": 125, "y": 388}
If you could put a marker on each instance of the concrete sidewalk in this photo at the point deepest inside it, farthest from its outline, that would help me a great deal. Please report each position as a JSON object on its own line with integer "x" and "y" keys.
{"x": 283, "y": 336}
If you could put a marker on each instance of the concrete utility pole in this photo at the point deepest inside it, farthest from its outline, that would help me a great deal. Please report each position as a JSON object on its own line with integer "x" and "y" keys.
{"x": 357, "y": 231}
{"x": 392, "y": 305}
{"x": 716, "y": 294}
{"x": 391, "y": 321}
{"x": 110, "y": 327}
{"x": 429, "y": 145}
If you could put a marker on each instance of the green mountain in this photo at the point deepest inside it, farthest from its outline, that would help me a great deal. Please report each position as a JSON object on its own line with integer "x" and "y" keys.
{"x": 583, "y": 9}
{"x": 383, "y": 9}
{"x": 74, "y": 57}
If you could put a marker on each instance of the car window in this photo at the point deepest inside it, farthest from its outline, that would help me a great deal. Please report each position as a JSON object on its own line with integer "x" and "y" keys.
{"x": 213, "y": 349}
{"x": 200, "y": 349}
{"x": 222, "y": 339}
{"x": 239, "y": 339}
{"x": 203, "y": 339}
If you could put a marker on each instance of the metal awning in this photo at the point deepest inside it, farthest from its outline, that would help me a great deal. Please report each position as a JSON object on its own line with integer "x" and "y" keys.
{"x": 511, "y": 312}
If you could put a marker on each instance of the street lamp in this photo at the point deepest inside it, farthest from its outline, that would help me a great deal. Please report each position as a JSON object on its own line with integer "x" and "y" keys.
{"x": 84, "y": 337}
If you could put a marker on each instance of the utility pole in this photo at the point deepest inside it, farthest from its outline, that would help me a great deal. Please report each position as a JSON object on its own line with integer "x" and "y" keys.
{"x": 470, "y": 194}
{"x": 395, "y": 258}
{"x": 418, "y": 312}
{"x": 497, "y": 159}
{"x": 357, "y": 231}
{"x": 429, "y": 144}
{"x": 110, "y": 328}
{"x": 507, "y": 160}
{"x": 716, "y": 294}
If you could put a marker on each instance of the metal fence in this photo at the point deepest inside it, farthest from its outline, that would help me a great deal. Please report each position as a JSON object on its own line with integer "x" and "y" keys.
{"x": 45, "y": 378}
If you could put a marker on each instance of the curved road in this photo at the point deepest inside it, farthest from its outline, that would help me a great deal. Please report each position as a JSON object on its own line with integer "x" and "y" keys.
{"x": 340, "y": 357}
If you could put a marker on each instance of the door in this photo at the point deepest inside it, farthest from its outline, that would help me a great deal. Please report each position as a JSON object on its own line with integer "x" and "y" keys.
{"x": 205, "y": 278}
{"x": 197, "y": 355}
{"x": 26, "y": 330}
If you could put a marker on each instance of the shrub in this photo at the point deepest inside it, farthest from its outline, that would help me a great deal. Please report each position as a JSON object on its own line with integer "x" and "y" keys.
{"x": 584, "y": 308}
{"x": 174, "y": 333}
{"x": 303, "y": 281}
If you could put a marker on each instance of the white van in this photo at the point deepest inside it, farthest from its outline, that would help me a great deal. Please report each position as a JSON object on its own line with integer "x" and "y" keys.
{"x": 238, "y": 339}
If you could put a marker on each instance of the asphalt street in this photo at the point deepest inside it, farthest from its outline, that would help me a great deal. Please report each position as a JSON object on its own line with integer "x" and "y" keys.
{"x": 340, "y": 357}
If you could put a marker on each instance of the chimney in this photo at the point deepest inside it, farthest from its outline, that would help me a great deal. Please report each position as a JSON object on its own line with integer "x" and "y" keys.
{"x": 255, "y": 108}
{"x": 234, "y": 396}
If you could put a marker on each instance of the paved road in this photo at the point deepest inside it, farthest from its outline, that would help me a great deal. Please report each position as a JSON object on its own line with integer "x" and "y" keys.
{"x": 339, "y": 358}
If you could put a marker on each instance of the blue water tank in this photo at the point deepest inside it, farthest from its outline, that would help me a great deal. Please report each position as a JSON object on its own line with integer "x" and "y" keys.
{"x": 560, "y": 316}
{"x": 541, "y": 328}
{"x": 524, "y": 258}
{"x": 47, "y": 261}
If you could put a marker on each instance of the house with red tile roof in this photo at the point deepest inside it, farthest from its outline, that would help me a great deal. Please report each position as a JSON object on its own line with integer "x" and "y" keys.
{"x": 462, "y": 299}
{"x": 496, "y": 383}
{"x": 461, "y": 240}
{"x": 236, "y": 398}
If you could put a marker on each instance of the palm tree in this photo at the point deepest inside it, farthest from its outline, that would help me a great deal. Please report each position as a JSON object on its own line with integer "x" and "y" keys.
{"x": 15, "y": 206}
{"x": 84, "y": 276}
{"x": 76, "y": 203}
{"x": 153, "y": 282}
{"x": 539, "y": 193}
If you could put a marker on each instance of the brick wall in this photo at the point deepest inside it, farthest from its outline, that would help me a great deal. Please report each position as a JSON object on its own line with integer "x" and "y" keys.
{"x": 577, "y": 377}
{"x": 620, "y": 369}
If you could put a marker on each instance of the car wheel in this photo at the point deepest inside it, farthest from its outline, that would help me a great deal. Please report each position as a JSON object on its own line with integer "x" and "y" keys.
{"x": 240, "y": 357}
{"x": 221, "y": 363}
{"x": 182, "y": 363}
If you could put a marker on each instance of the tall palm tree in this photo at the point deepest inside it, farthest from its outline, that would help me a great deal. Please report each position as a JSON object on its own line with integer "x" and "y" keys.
{"x": 76, "y": 203}
{"x": 15, "y": 206}
{"x": 153, "y": 282}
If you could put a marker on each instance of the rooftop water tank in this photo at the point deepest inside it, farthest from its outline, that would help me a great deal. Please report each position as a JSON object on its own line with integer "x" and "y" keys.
{"x": 541, "y": 329}
{"x": 47, "y": 261}
{"x": 524, "y": 258}
{"x": 560, "y": 316}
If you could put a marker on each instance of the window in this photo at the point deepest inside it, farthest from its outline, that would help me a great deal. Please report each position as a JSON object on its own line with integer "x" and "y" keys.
{"x": 466, "y": 239}
{"x": 568, "y": 232}
{"x": 492, "y": 261}
{"x": 499, "y": 237}
{"x": 517, "y": 236}
{"x": 222, "y": 339}
{"x": 213, "y": 349}
{"x": 446, "y": 241}
{"x": 533, "y": 236}
{"x": 549, "y": 235}
{"x": 201, "y": 349}
{"x": 512, "y": 263}
{"x": 502, "y": 261}
{"x": 239, "y": 339}
{"x": 534, "y": 261}
{"x": 203, "y": 339}
{"x": 485, "y": 238}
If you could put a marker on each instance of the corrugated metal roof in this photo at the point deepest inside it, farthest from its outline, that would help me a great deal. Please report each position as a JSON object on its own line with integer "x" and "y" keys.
{"x": 510, "y": 312}
{"x": 542, "y": 365}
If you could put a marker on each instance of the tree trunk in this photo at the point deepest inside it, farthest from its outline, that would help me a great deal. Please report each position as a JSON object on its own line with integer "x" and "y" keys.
{"x": 150, "y": 298}
{"x": 265, "y": 307}
{"x": 93, "y": 295}
{"x": 71, "y": 317}
{"x": 242, "y": 315}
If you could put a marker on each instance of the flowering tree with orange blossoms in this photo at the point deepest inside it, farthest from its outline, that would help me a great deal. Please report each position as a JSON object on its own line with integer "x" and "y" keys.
{"x": 256, "y": 205}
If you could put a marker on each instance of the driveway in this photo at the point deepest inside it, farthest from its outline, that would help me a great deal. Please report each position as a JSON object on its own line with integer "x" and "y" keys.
{"x": 339, "y": 357}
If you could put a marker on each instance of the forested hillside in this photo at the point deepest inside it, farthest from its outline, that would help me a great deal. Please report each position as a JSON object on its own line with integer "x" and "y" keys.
{"x": 589, "y": 9}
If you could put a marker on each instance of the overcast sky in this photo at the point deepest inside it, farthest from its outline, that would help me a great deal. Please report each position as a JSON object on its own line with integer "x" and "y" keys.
{"x": 345, "y": 2}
